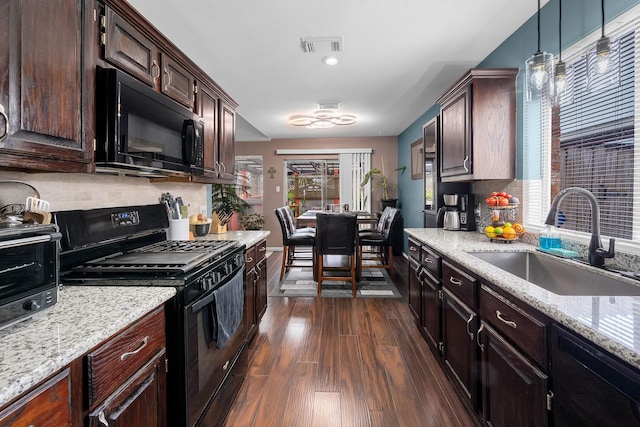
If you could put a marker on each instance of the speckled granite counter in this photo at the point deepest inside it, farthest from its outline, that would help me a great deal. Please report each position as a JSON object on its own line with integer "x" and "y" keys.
{"x": 84, "y": 317}
{"x": 247, "y": 237}
{"x": 613, "y": 322}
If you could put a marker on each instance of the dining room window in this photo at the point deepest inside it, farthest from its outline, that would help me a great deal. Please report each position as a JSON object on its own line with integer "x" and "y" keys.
{"x": 587, "y": 139}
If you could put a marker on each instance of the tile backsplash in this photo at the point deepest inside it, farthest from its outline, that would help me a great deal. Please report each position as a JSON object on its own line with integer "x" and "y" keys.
{"x": 88, "y": 191}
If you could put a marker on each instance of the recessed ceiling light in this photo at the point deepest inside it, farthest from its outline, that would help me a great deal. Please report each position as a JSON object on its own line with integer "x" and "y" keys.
{"x": 330, "y": 60}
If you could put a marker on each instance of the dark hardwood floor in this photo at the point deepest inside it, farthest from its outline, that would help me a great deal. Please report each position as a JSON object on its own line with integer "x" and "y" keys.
{"x": 346, "y": 362}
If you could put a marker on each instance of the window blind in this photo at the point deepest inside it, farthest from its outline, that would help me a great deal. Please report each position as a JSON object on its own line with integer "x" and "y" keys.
{"x": 597, "y": 139}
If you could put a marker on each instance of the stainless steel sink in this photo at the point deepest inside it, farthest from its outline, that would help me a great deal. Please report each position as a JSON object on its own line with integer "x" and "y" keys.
{"x": 559, "y": 276}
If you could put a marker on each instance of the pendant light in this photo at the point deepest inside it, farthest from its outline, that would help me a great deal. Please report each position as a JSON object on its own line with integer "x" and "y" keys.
{"x": 603, "y": 47}
{"x": 539, "y": 71}
{"x": 560, "y": 72}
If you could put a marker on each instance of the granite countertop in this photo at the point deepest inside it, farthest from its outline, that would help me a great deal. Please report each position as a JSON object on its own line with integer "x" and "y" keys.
{"x": 83, "y": 317}
{"x": 609, "y": 321}
{"x": 246, "y": 237}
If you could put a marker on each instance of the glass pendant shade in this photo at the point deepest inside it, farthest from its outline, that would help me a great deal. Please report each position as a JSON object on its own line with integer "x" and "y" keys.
{"x": 603, "y": 49}
{"x": 539, "y": 75}
{"x": 560, "y": 76}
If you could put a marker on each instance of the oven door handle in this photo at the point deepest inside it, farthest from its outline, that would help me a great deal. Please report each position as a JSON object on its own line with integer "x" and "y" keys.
{"x": 30, "y": 240}
{"x": 198, "y": 305}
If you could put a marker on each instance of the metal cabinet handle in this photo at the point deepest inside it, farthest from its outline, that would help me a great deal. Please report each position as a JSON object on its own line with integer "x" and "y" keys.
{"x": 128, "y": 354}
{"x": 464, "y": 164}
{"x": 428, "y": 260}
{"x": 102, "y": 419}
{"x": 501, "y": 318}
{"x": 262, "y": 248}
{"x": 155, "y": 71}
{"x": 6, "y": 123}
{"x": 478, "y": 338}
{"x": 455, "y": 281}
{"x": 412, "y": 248}
{"x": 471, "y": 317}
{"x": 249, "y": 259}
{"x": 167, "y": 78}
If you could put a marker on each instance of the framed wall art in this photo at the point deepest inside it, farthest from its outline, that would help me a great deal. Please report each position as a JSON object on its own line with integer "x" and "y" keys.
{"x": 417, "y": 160}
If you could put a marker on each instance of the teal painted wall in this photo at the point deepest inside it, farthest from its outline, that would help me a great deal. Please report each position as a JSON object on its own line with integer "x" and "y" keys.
{"x": 579, "y": 18}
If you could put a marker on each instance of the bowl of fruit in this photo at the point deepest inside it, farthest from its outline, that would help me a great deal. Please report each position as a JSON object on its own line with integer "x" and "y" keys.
{"x": 200, "y": 224}
{"x": 502, "y": 212}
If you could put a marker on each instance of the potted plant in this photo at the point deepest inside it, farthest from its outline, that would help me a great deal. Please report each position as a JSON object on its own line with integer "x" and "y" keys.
{"x": 226, "y": 202}
{"x": 380, "y": 180}
{"x": 252, "y": 221}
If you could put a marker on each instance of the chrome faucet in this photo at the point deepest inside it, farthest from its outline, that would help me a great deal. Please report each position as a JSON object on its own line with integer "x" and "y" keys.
{"x": 597, "y": 254}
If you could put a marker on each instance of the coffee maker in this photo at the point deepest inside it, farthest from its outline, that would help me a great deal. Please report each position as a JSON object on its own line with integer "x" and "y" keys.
{"x": 448, "y": 215}
{"x": 466, "y": 205}
{"x": 457, "y": 212}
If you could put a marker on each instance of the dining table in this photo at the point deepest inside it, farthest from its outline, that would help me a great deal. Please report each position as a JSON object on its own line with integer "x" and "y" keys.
{"x": 364, "y": 220}
{"x": 308, "y": 217}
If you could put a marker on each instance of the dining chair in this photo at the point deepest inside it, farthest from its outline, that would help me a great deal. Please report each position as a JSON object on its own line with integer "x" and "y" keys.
{"x": 336, "y": 238}
{"x": 376, "y": 244}
{"x": 294, "y": 238}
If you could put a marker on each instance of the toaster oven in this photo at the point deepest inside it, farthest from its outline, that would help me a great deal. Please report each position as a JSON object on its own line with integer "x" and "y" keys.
{"x": 29, "y": 270}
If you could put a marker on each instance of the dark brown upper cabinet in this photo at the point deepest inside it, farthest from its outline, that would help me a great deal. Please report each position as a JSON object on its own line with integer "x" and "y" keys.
{"x": 478, "y": 126}
{"x": 46, "y": 94}
{"x": 132, "y": 51}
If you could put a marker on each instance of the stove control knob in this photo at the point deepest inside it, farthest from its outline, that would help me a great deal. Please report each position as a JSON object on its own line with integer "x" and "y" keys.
{"x": 31, "y": 305}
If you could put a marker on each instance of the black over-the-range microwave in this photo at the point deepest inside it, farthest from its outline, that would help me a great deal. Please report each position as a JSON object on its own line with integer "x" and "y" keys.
{"x": 142, "y": 132}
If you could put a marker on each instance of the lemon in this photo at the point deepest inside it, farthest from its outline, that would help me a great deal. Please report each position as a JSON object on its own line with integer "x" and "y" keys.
{"x": 490, "y": 232}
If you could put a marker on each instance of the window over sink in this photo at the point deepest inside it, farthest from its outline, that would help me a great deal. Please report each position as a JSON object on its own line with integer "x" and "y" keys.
{"x": 586, "y": 138}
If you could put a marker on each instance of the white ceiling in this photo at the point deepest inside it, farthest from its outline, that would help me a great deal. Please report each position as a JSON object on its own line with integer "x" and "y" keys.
{"x": 397, "y": 58}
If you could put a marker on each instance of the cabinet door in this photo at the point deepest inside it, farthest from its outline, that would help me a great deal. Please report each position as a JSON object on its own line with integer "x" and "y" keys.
{"x": 177, "y": 82}
{"x": 460, "y": 352}
{"x": 252, "y": 321}
{"x": 209, "y": 113}
{"x": 48, "y": 405}
{"x": 139, "y": 402}
{"x": 431, "y": 311}
{"x": 43, "y": 87}
{"x": 130, "y": 50}
{"x": 226, "y": 148}
{"x": 514, "y": 391}
{"x": 261, "y": 288}
{"x": 455, "y": 135}
{"x": 415, "y": 289}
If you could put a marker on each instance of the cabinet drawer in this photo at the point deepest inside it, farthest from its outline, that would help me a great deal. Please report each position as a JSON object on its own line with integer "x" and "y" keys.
{"x": 47, "y": 405}
{"x": 119, "y": 358}
{"x": 261, "y": 250}
{"x": 431, "y": 261}
{"x": 414, "y": 250}
{"x": 459, "y": 283}
{"x": 252, "y": 257}
{"x": 523, "y": 330}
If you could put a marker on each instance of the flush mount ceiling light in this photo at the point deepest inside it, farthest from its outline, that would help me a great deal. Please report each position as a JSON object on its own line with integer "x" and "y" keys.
{"x": 603, "y": 47}
{"x": 322, "y": 119}
{"x": 539, "y": 71}
{"x": 330, "y": 60}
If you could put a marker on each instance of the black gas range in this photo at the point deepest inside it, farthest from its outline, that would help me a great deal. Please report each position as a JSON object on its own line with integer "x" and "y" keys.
{"x": 206, "y": 322}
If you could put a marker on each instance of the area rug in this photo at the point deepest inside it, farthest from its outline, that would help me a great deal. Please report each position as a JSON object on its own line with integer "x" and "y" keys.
{"x": 298, "y": 282}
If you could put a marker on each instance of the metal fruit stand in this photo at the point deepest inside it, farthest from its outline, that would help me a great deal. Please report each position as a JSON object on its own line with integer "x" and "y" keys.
{"x": 497, "y": 216}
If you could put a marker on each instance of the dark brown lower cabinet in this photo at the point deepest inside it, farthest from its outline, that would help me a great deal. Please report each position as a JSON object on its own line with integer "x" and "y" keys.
{"x": 415, "y": 290}
{"x": 47, "y": 405}
{"x": 261, "y": 288}
{"x": 460, "y": 351}
{"x": 430, "y": 324}
{"x": 140, "y": 401}
{"x": 514, "y": 391}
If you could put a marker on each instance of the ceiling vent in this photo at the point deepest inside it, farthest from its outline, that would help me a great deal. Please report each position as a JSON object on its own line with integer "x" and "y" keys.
{"x": 321, "y": 44}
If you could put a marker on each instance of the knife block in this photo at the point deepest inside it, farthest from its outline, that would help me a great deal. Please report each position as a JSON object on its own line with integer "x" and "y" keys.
{"x": 216, "y": 226}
